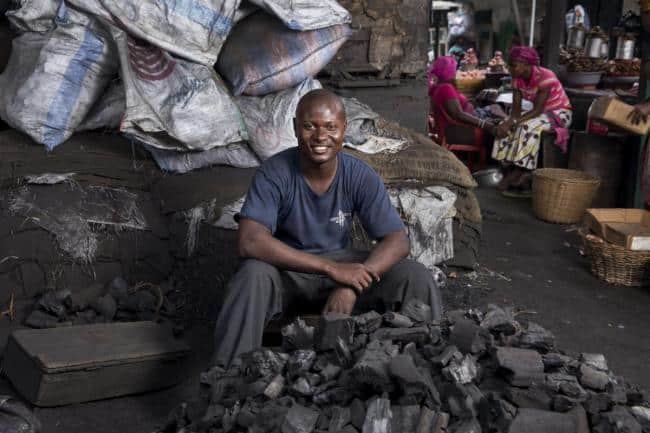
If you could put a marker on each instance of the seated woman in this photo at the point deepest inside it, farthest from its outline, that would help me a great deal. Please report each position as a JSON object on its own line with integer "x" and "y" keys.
{"x": 519, "y": 136}
{"x": 447, "y": 105}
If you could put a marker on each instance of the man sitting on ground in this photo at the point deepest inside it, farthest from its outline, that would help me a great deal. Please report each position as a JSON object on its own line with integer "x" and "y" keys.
{"x": 294, "y": 233}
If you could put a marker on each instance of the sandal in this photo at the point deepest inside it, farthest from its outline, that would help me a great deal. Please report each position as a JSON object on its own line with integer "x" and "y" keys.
{"x": 517, "y": 193}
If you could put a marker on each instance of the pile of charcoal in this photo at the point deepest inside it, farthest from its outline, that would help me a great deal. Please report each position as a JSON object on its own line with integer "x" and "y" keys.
{"x": 473, "y": 372}
{"x": 115, "y": 302}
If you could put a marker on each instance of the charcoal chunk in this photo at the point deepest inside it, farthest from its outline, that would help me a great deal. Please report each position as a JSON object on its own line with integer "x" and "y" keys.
{"x": 465, "y": 426}
{"x": 537, "y": 337}
{"x": 411, "y": 379}
{"x": 340, "y": 418}
{"x": 275, "y": 387}
{"x": 555, "y": 361}
{"x": 530, "y": 398}
{"x": 53, "y": 303}
{"x": 499, "y": 320}
{"x": 464, "y": 371}
{"x": 297, "y": 335}
{"x": 330, "y": 372}
{"x": 468, "y": 337}
{"x": 521, "y": 367}
{"x": 593, "y": 379}
{"x": 106, "y": 306}
{"x": 540, "y": 421}
{"x": 417, "y": 311}
{"x": 450, "y": 353}
{"x": 378, "y": 417}
{"x": 419, "y": 335}
{"x": 594, "y": 360}
{"x": 442, "y": 421}
{"x": 300, "y": 362}
{"x": 368, "y": 322}
{"x": 596, "y": 403}
{"x": 41, "y": 320}
{"x": 642, "y": 415}
{"x": 562, "y": 403}
{"x": 333, "y": 326}
{"x": 357, "y": 413}
{"x": 397, "y": 320}
{"x": 302, "y": 387}
{"x": 618, "y": 420}
{"x": 262, "y": 363}
{"x": 300, "y": 419}
{"x": 372, "y": 367}
{"x": 405, "y": 418}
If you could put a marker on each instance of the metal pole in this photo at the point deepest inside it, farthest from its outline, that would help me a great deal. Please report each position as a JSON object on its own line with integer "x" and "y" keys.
{"x": 532, "y": 24}
{"x": 515, "y": 9}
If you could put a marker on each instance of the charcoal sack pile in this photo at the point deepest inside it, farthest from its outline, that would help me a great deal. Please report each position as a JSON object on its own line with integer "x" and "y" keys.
{"x": 475, "y": 371}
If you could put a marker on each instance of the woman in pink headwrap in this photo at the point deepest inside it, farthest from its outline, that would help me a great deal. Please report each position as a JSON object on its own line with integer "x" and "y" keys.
{"x": 519, "y": 136}
{"x": 447, "y": 105}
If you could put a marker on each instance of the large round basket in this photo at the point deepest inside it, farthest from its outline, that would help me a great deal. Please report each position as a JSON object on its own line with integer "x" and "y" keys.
{"x": 617, "y": 265}
{"x": 562, "y": 196}
{"x": 469, "y": 87}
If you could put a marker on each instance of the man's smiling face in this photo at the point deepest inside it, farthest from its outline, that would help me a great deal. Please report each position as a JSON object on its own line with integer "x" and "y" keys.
{"x": 320, "y": 128}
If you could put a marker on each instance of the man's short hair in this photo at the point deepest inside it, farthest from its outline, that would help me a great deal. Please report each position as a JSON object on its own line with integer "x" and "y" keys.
{"x": 320, "y": 95}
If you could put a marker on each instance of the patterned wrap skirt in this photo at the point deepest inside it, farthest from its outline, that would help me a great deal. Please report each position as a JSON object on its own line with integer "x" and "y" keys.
{"x": 521, "y": 146}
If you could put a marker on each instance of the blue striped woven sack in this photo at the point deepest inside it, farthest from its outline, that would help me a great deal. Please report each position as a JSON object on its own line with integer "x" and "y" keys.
{"x": 262, "y": 56}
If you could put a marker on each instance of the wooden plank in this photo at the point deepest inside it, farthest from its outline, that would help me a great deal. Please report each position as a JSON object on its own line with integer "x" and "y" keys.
{"x": 93, "y": 346}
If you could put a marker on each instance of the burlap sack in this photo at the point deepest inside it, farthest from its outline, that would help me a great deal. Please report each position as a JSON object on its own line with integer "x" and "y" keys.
{"x": 421, "y": 160}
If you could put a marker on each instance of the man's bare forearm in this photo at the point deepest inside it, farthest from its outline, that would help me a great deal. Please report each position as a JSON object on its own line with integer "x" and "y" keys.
{"x": 388, "y": 252}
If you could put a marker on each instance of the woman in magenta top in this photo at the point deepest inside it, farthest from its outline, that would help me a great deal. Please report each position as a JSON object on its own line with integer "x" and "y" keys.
{"x": 447, "y": 105}
{"x": 519, "y": 136}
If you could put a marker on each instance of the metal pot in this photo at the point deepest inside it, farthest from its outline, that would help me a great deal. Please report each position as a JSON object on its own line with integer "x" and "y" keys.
{"x": 604, "y": 50}
{"x": 576, "y": 36}
{"x": 593, "y": 47}
{"x": 625, "y": 47}
{"x": 489, "y": 177}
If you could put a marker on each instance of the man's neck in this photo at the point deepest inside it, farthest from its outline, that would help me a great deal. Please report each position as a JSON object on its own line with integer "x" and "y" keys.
{"x": 318, "y": 176}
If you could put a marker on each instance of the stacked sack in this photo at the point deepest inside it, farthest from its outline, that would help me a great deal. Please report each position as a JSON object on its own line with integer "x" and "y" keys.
{"x": 147, "y": 68}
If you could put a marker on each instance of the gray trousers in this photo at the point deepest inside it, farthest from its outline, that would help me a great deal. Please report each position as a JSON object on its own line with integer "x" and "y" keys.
{"x": 260, "y": 292}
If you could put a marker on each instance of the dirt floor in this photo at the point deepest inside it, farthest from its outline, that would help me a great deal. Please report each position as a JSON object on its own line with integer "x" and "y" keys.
{"x": 533, "y": 266}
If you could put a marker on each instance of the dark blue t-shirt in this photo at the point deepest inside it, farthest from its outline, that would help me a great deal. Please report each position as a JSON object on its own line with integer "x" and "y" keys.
{"x": 280, "y": 199}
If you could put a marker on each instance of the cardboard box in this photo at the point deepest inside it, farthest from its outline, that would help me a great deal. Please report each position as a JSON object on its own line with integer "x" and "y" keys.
{"x": 629, "y": 228}
{"x": 58, "y": 366}
{"x": 614, "y": 111}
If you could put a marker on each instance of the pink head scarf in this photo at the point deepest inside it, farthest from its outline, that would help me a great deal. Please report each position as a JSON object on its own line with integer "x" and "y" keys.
{"x": 443, "y": 69}
{"x": 525, "y": 54}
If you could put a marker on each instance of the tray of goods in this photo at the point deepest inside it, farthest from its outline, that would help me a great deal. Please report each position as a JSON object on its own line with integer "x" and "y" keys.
{"x": 623, "y": 71}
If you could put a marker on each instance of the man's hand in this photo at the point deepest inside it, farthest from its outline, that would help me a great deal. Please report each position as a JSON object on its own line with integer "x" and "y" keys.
{"x": 355, "y": 275}
{"x": 341, "y": 300}
{"x": 640, "y": 113}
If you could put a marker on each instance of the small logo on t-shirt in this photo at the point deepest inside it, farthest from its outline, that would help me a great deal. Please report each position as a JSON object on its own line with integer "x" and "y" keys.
{"x": 340, "y": 218}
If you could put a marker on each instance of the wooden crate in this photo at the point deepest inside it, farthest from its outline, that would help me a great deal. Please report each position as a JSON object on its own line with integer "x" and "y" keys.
{"x": 59, "y": 366}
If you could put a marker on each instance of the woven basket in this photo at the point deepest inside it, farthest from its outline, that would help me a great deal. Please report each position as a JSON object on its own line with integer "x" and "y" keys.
{"x": 617, "y": 265}
{"x": 469, "y": 87}
{"x": 562, "y": 196}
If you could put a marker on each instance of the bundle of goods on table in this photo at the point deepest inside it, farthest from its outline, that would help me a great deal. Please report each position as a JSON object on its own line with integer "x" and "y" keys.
{"x": 470, "y": 79}
{"x": 585, "y": 60}
{"x": 192, "y": 82}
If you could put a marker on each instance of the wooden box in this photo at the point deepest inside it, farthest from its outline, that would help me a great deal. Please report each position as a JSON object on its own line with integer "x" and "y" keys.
{"x": 58, "y": 366}
{"x": 614, "y": 111}
{"x": 629, "y": 228}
